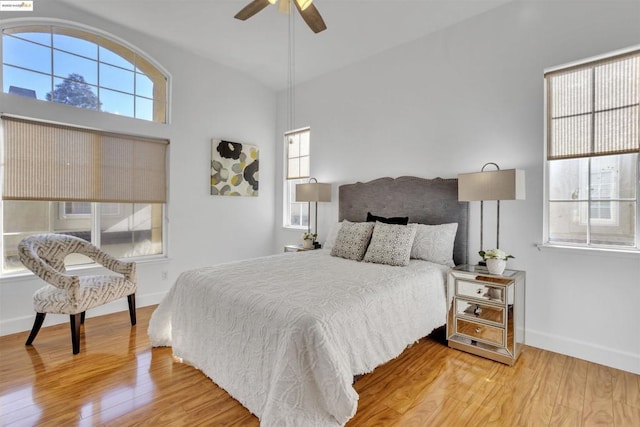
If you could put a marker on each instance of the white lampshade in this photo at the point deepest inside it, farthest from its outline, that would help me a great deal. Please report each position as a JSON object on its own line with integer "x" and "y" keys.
{"x": 313, "y": 192}
{"x": 491, "y": 185}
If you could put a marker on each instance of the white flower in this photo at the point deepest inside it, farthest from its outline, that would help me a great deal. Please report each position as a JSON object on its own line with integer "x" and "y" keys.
{"x": 495, "y": 254}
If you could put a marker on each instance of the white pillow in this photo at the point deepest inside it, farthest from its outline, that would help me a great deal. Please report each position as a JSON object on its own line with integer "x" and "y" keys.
{"x": 435, "y": 243}
{"x": 332, "y": 236}
{"x": 391, "y": 244}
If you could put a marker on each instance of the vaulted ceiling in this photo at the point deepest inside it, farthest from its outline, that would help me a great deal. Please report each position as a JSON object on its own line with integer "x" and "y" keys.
{"x": 356, "y": 30}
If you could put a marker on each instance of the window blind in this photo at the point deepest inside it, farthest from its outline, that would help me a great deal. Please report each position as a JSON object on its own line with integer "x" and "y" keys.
{"x": 52, "y": 162}
{"x": 594, "y": 108}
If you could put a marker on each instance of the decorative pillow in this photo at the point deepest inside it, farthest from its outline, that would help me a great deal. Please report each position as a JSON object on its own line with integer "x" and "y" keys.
{"x": 353, "y": 239}
{"x": 330, "y": 242}
{"x": 391, "y": 244}
{"x": 435, "y": 243}
{"x": 402, "y": 220}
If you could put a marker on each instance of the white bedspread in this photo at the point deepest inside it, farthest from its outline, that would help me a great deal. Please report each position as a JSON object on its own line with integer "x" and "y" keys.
{"x": 285, "y": 334}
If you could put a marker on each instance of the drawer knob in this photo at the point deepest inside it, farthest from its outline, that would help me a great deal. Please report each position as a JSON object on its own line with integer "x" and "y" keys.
{"x": 479, "y": 291}
{"x": 478, "y": 330}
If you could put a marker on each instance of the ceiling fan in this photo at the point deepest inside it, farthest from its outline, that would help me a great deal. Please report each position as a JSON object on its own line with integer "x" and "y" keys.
{"x": 306, "y": 8}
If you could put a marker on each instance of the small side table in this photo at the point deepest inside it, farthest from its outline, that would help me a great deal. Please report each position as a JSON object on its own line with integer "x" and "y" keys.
{"x": 297, "y": 248}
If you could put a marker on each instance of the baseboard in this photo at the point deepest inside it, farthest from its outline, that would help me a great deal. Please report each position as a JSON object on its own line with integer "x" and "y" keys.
{"x": 24, "y": 323}
{"x": 622, "y": 360}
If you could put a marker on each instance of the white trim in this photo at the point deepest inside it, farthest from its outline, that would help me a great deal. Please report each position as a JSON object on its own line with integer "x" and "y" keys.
{"x": 591, "y": 250}
{"x": 626, "y": 361}
{"x": 87, "y": 268}
{"x": 591, "y": 59}
{"x": 24, "y": 323}
{"x": 291, "y": 132}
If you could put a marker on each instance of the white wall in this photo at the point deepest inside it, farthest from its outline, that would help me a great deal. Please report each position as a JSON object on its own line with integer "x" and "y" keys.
{"x": 208, "y": 101}
{"x": 471, "y": 94}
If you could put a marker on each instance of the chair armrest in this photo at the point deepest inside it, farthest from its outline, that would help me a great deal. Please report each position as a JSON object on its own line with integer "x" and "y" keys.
{"x": 127, "y": 269}
{"x": 44, "y": 271}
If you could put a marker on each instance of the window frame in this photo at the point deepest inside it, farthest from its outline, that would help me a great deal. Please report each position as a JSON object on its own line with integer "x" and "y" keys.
{"x": 586, "y": 216}
{"x": 14, "y": 23}
{"x": 289, "y": 183}
{"x": 589, "y": 246}
{"x": 59, "y": 114}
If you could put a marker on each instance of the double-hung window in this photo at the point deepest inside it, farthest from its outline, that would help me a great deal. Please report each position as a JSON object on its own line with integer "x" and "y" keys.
{"x": 107, "y": 188}
{"x": 297, "y": 161}
{"x": 593, "y": 141}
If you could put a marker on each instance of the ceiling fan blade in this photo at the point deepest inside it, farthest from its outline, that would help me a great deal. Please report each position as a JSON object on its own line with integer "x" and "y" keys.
{"x": 312, "y": 17}
{"x": 251, "y": 9}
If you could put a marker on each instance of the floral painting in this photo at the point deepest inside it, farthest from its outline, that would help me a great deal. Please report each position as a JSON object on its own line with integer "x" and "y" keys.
{"x": 234, "y": 169}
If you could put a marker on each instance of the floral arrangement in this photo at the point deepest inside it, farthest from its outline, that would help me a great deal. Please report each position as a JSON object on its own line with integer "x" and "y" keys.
{"x": 310, "y": 236}
{"x": 495, "y": 254}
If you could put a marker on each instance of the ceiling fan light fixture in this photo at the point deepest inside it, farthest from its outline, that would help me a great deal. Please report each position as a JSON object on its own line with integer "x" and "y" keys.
{"x": 304, "y": 3}
{"x": 284, "y": 6}
{"x": 307, "y": 10}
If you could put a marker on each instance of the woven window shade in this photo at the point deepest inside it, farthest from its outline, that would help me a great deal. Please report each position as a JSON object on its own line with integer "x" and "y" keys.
{"x": 594, "y": 108}
{"x": 51, "y": 162}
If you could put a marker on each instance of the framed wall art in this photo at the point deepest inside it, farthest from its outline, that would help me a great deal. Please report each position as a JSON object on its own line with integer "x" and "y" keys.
{"x": 234, "y": 169}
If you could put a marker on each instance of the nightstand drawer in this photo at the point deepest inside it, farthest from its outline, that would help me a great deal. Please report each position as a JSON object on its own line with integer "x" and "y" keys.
{"x": 478, "y": 310}
{"x": 480, "y": 291}
{"x": 480, "y": 331}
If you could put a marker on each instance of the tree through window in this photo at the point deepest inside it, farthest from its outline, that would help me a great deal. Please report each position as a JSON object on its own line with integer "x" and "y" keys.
{"x": 74, "y": 91}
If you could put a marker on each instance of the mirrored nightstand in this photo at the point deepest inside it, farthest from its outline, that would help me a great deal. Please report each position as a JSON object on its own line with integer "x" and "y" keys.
{"x": 486, "y": 312}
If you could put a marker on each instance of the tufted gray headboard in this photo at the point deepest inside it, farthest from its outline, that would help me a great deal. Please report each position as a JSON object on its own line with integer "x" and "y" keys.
{"x": 424, "y": 201}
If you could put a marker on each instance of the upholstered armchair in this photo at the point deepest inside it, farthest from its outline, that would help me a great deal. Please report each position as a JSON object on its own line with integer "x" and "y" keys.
{"x": 44, "y": 255}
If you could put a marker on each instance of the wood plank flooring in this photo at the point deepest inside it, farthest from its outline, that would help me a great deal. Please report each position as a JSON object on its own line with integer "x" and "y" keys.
{"x": 119, "y": 380}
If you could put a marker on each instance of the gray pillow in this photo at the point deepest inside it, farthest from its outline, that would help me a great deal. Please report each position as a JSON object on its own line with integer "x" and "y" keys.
{"x": 353, "y": 239}
{"x": 391, "y": 244}
{"x": 435, "y": 243}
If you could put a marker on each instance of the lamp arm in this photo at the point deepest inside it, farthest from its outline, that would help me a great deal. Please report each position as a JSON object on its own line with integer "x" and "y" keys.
{"x": 489, "y": 163}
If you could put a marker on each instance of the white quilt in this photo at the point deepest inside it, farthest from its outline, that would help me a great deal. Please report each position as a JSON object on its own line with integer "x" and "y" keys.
{"x": 285, "y": 334}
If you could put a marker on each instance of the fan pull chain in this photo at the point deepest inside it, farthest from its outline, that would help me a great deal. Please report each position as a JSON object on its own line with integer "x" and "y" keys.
{"x": 292, "y": 72}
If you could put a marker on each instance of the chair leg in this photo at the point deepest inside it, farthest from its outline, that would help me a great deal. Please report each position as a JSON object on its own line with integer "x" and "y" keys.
{"x": 82, "y": 317}
{"x": 132, "y": 308}
{"x": 75, "y": 331}
{"x": 37, "y": 324}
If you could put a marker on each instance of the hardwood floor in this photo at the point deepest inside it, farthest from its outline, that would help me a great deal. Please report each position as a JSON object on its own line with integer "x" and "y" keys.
{"x": 119, "y": 380}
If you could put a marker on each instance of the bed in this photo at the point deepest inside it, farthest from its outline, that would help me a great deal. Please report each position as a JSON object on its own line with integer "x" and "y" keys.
{"x": 286, "y": 338}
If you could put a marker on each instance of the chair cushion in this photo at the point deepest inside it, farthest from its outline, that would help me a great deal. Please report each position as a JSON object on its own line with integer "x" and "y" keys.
{"x": 94, "y": 291}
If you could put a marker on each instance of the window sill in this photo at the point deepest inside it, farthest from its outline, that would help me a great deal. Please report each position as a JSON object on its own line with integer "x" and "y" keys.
{"x": 618, "y": 253}
{"x": 294, "y": 227}
{"x": 82, "y": 269}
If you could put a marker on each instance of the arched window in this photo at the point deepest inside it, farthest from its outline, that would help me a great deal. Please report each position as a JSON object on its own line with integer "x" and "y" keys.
{"x": 76, "y": 67}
